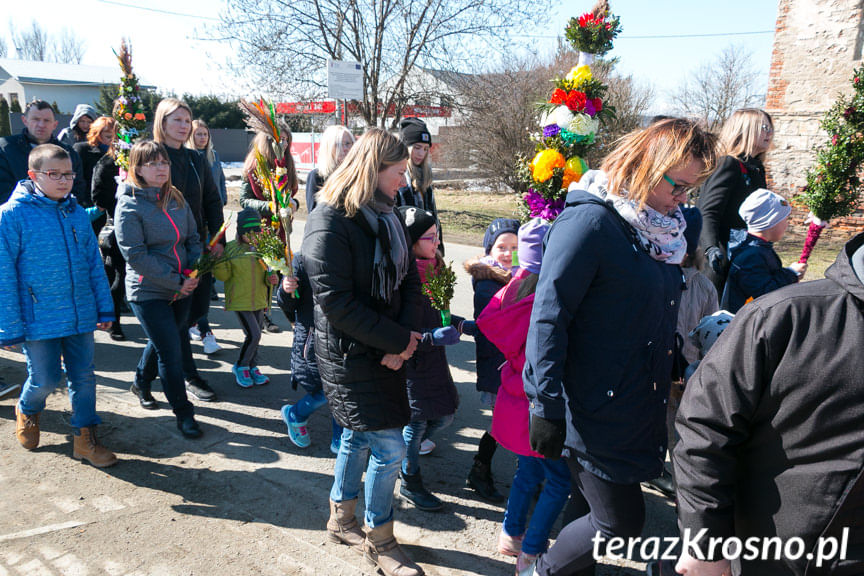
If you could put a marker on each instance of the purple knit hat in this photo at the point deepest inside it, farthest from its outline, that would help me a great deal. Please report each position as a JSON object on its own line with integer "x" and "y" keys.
{"x": 530, "y": 247}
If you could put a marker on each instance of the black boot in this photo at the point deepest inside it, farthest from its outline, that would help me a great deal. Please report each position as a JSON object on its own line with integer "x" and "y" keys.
{"x": 413, "y": 490}
{"x": 664, "y": 484}
{"x": 480, "y": 479}
{"x": 188, "y": 427}
{"x": 145, "y": 398}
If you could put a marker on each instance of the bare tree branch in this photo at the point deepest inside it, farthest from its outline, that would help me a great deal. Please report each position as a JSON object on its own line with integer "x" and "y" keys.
{"x": 32, "y": 44}
{"x": 282, "y": 46}
{"x": 69, "y": 48}
{"x": 718, "y": 88}
{"x": 4, "y": 48}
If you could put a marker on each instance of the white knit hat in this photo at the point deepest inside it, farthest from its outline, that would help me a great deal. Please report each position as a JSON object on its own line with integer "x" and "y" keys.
{"x": 764, "y": 209}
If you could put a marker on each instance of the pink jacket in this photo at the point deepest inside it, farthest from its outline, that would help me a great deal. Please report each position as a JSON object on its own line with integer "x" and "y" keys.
{"x": 505, "y": 324}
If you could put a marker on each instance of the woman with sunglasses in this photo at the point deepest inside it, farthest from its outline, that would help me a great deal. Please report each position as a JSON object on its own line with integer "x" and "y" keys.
{"x": 745, "y": 139}
{"x": 600, "y": 343}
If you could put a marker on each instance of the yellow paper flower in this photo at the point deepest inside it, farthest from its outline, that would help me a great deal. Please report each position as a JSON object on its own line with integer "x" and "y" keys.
{"x": 578, "y": 75}
{"x": 574, "y": 168}
{"x": 544, "y": 162}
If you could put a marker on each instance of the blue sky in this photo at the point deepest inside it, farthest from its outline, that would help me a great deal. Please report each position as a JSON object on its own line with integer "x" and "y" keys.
{"x": 167, "y": 54}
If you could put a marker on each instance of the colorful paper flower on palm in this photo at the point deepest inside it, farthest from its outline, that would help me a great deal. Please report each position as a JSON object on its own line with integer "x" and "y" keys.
{"x": 128, "y": 108}
{"x": 574, "y": 168}
{"x": 579, "y": 75}
{"x": 593, "y": 32}
{"x": 545, "y": 162}
{"x": 569, "y": 120}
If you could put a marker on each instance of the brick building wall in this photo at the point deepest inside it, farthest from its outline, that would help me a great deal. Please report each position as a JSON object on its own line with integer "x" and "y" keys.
{"x": 817, "y": 45}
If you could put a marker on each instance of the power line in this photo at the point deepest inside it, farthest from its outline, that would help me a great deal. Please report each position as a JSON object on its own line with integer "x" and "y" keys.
{"x": 662, "y": 36}
{"x": 169, "y": 12}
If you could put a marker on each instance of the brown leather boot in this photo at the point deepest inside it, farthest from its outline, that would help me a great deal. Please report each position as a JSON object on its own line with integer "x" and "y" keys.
{"x": 27, "y": 429}
{"x": 382, "y": 550}
{"x": 86, "y": 446}
{"x": 343, "y": 526}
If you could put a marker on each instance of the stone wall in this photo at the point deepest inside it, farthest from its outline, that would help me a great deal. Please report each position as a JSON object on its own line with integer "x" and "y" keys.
{"x": 817, "y": 45}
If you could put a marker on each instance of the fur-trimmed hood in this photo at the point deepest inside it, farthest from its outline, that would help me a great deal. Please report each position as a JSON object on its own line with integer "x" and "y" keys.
{"x": 479, "y": 270}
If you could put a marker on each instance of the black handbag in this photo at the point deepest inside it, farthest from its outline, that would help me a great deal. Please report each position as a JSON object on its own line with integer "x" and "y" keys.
{"x": 679, "y": 363}
{"x": 107, "y": 238}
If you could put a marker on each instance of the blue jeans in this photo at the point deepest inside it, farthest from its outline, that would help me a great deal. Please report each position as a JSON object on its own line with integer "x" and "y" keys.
{"x": 529, "y": 475}
{"x": 167, "y": 329}
{"x": 44, "y": 374}
{"x": 387, "y": 449}
{"x": 413, "y": 434}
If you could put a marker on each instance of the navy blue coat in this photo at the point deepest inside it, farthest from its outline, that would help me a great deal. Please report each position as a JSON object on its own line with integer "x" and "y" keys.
{"x": 755, "y": 270}
{"x": 431, "y": 392}
{"x": 300, "y": 311}
{"x": 314, "y": 182}
{"x": 599, "y": 349}
{"x": 14, "y": 152}
{"x": 486, "y": 281}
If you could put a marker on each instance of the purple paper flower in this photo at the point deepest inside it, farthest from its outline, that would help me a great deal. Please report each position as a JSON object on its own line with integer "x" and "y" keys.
{"x": 542, "y": 207}
{"x": 590, "y": 110}
{"x": 551, "y": 130}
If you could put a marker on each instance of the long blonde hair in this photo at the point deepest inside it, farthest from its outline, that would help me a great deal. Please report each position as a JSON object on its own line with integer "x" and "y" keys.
{"x": 166, "y": 107}
{"x": 145, "y": 151}
{"x": 263, "y": 144}
{"x": 640, "y": 159}
{"x": 331, "y": 149}
{"x": 742, "y": 133}
{"x": 353, "y": 183}
{"x": 421, "y": 176}
{"x": 190, "y": 142}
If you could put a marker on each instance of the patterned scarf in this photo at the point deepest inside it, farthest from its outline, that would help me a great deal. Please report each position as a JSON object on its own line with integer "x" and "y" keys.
{"x": 661, "y": 235}
{"x": 392, "y": 257}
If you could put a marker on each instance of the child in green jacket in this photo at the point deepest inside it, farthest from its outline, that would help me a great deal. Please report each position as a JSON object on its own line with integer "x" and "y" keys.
{"x": 248, "y": 285}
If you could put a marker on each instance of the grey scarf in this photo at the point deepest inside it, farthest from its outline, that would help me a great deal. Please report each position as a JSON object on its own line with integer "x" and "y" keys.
{"x": 392, "y": 257}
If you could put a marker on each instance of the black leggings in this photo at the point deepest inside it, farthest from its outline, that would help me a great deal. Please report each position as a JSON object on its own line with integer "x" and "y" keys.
{"x": 115, "y": 270}
{"x": 610, "y": 509}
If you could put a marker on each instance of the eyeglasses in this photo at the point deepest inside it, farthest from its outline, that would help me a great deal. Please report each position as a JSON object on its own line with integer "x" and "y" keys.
{"x": 767, "y": 128}
{"x": 678, "y": 189}
{"x": 432, "y": 238}
{"x": 159, "y": 164}
{"x": 57, "y": 176}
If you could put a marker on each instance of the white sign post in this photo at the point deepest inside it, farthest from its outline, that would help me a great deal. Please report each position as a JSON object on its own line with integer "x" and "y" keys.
{"x": 344, "y": 80}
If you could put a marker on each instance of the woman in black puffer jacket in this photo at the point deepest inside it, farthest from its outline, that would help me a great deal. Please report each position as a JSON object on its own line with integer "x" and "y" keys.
{"x": 367, "y": 301}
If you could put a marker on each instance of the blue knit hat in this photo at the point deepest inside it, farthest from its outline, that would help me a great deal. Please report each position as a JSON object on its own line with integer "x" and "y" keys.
{"x": 496, "y": 228}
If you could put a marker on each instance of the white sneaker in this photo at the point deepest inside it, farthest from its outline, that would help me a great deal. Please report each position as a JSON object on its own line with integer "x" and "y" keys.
{"x": 210, "y": 345}
{"x": 194, "y": 334}
{"x": 426, "y": 447}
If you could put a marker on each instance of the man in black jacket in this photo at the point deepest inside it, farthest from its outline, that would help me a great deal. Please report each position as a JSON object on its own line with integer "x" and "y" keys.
{"x": 39, "y": 126}
{"x": 770, "y": 425}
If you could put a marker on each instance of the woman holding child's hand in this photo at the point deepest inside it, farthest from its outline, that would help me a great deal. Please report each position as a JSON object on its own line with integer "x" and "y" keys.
{"x": 367, "y": 300}
{"x": 158, "y": 237}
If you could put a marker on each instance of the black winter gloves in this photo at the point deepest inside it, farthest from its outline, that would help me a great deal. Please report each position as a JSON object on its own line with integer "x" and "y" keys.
{"x": 547, "y": 436}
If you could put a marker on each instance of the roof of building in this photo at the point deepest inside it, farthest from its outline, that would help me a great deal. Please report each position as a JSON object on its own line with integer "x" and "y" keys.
{"x": 29, "y": 72}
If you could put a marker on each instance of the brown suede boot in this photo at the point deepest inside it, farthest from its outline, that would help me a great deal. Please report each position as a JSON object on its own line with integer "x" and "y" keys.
{"x": 382, "y": 550}
{"x": 86, "y": 446}
{"x": 27, "y": 429}
{"x": 343, "y": 526}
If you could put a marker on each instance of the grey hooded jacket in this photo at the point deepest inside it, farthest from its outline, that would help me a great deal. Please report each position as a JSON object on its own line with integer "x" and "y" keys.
{"x": 158, "y": 244}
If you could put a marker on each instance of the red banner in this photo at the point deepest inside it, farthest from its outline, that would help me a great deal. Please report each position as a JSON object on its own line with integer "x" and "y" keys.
{"x": 315, "y": 107}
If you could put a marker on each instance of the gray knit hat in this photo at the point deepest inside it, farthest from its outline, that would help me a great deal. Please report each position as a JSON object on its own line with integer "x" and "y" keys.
{"x": 764, "y": 209}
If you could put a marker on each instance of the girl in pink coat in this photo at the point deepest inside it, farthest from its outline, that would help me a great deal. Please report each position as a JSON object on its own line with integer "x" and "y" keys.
{"x": 505, "y": 323}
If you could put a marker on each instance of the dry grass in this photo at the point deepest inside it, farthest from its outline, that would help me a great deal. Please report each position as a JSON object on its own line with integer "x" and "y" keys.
{"x": 789, "y": 250}
{"x": 465, "y": 214}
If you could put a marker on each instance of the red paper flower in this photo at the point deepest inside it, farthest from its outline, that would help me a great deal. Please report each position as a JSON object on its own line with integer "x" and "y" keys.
{"x": 575, "y": 101}
{"x": 598, "y": 104}
{"x": 834, "y": 140}
{"x": 559, "y": 96}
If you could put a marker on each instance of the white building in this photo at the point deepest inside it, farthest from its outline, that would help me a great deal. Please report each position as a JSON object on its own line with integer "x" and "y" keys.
{"x": 67, "y": 84}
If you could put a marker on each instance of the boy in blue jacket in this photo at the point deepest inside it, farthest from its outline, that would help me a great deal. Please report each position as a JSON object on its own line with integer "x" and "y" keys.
{"x": 754, "y": 268}
{"x": 53, "y": 294}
